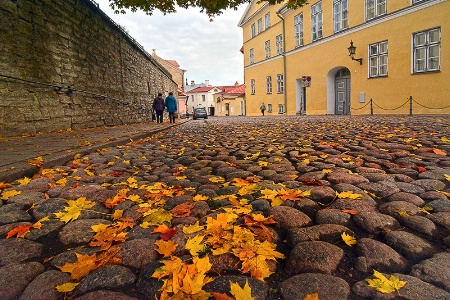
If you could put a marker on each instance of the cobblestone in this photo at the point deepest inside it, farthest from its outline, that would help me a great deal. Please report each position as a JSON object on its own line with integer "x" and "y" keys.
{"x": 383, "y": 180}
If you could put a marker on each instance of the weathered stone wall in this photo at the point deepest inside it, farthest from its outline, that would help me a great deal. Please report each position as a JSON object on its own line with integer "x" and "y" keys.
{"x": 71, "y": 43}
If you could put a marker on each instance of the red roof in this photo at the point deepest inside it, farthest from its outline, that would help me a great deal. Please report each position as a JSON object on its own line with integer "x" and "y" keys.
{"x": 202, "y": 89}
{"x": 180, "y": 92}
{"x": 173, "y": 63}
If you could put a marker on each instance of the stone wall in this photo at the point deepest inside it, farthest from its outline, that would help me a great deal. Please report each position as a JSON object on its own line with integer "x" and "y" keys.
{"x": 65, "y": 64}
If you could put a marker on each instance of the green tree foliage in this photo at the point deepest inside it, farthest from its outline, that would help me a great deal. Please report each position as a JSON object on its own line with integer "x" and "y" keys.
{"x": 210, "y": 7}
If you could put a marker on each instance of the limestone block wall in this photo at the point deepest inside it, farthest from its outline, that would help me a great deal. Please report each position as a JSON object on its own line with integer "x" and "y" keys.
{"x": 65, "y": 64}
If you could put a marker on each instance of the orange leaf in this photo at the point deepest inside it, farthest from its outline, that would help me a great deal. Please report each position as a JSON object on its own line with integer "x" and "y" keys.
{"x": 440, "y": 152}
{"x": 420, "y": 169}
{"x": 182, "y": 210}
{"x": 312, "y": 182}
{"x": 21, "y": 231}
{"x": 350, "y": 211}
{"x": 220, "y": 296}
{"x": 165, "y": 248}
{"x": 166, "y": 233}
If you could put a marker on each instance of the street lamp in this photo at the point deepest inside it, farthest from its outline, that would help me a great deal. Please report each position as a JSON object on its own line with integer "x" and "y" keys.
{"x": 352, "y": 52}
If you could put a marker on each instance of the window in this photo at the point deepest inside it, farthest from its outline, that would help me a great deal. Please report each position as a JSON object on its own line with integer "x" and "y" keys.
{"x": 427, "y": 50}
{"x": 252, "y": 56}
{"x": 340, "y": 14}
{"x": 203, "y": 98}
{"x": 298, "y": 30}
{"x": 316, "y": 21}
{"x": 417, "y": 1}
{"x": 378, "y": 59}
{"x": 192, "y": 98}
{"x": 260, "y": 28}
{"x": 279, "y": 43}
{"x": 280, "y": 83}
{"x": 375, "y": 8}
{"x": 280, "y": 109}
{"x": 269, "y": 108}
{"x": 267, "y": 21}
{"x": 268, "y": 84}
{"x": 253, "y": 30}
{"x": 252, "y": 86}
{"x": 267, "y": 48}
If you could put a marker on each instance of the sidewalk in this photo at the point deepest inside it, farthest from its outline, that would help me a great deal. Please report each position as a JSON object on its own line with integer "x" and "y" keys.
{"x": 58, "y": 148}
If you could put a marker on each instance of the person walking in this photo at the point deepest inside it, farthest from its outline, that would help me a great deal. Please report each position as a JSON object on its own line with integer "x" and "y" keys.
{"x": 158, "y": 106}
{"x": 262, "y": 107}
{"x": 171, "y": 104}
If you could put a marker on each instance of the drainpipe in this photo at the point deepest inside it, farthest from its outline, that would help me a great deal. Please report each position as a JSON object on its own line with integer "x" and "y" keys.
{"x": 284, "y": 58}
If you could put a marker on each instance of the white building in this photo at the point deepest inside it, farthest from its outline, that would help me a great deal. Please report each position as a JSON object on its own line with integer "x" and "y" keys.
{"x": 202, "y": 97}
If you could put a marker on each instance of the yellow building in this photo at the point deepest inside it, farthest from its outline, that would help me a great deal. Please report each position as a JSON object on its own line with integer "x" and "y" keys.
{"x": 298, "y": 61}
{"x": 230, "y": 101}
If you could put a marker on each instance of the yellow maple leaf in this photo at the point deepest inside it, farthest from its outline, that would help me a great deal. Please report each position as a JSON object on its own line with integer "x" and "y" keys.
{"x": 38, "y": 224}
{"x": 166, "y": 248}
{"x": 277, "y": 159}
{"x": 38, "y": 161}
{"x": 254, "y": 155}
{"x": 314, "y": 296}
{"x": 193, "y": 228}
{"x": 195, "y": 245}
{"x": 244, "y": 293}
{"x": 81, "y": 267}
{"x": 200, "y": 197}
{"x": 74, "y": 208}
{"x": 263, "y": 163}
{"x": 9, "y": 194}
{"x": 24, "y": 181}
{"x": 117, "y": 214}
{"x": 67, "y": 287}
{"x": 404, "y": 214}
{"x": 156, "y": 217}
{"x": 384, "y": 285}
{"x": 217, "y": 179}
{"x": 445, "y": 140}
{"x": 348, "y": 239}
{"x": 349, "y": 195}
{"x": 248, "y": 189}
{"x": 447, "y": 177}
{"x": 88, "y": 172}
{"x": 61, "y": 182}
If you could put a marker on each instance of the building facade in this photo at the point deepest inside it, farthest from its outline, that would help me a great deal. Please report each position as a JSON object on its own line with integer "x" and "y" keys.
{"x": 202, "y": 97}
{"x": 298, "y": 61}
{"x": 230, "y": 101}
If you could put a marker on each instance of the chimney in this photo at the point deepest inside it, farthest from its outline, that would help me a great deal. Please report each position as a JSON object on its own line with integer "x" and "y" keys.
{"x": 236, "y": 84}
{"x": 192, "y": 82}
{"x": 153, "y": 52}
{"x": 207, "y": 82}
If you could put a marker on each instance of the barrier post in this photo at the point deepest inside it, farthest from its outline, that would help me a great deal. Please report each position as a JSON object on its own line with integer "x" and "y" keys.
{"x": 371, "y": 107}
{"x": 410, "y": 105}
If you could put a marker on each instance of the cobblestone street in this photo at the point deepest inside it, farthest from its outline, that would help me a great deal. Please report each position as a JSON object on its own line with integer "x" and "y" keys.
{"x": 268, "y": 200}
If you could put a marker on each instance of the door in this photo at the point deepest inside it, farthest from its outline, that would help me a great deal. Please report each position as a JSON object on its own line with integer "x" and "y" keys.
{"x": 342, "y": 88}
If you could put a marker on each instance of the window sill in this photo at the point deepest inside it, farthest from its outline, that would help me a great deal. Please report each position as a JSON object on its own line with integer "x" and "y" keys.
{"x": 426, "y": 72}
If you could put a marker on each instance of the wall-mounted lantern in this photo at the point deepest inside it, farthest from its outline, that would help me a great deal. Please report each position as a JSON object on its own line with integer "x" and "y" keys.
{"x": 352, "y": 52}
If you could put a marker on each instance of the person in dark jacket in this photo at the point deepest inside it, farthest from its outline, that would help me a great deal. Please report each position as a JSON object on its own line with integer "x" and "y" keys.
{"x": 158, "y": 106}
{"x": 171, "y": 104}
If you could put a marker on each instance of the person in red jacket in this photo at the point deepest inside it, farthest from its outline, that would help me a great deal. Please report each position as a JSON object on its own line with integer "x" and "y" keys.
{"x": 158, "y": 106}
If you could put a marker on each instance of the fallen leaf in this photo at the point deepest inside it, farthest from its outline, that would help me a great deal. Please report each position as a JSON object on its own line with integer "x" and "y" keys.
{"x": 67, "y": 287}
{"x": 439, "y": 152}
{"x": 166, "y": 248}
{"x": 314, "y": 296}
{"x": 74, "y": 208}
{"x": 350, "y": 211}
{"x": 348, "y": 239}
{"x": 349, "y": 195}
{"x": 9, "y": 194}
{"x": 420, "y": 169}
{"x": 244, "y": 293}
{"x": 384, "y": 285}
{"x": 24, "y": 181}
{"x": 312, "y": 182}
{"x": 21, "y": 231}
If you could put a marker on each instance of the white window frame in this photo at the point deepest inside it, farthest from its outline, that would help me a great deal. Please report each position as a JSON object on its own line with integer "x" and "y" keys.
{"x": 425, "y": 48}
{"x": 378, "y": 59}
{"x": 375, "y": 8}
{"x": 267, "y": 48}
{"x": 252, "y": 86}
{"x": 340, "y": 15}
{"x": 280, "y": 83}
{"x": 298, "y": 30}
{"x": 279, "y": 43}
{"x": 260, "y": 25}
{"x": 252, "y": 56}
{"x": 316, "y": 21}
{"x": 280, "y": 108}
{"x": 203, "y": 98}
{"x": 266, "y": 20}
{"x": 253, "y": 30}
{"x": 417, "y": 1}
{"x": 269, "y": 108}
{"x": 268, "y": 84}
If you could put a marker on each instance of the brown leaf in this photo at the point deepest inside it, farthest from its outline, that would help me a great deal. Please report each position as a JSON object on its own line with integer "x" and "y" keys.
{"x": 312, "y": 182}
{"x": 182, "y": 210}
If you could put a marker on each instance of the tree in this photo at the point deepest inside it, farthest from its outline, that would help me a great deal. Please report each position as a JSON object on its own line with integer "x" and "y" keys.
{"x": 210, "y": 7}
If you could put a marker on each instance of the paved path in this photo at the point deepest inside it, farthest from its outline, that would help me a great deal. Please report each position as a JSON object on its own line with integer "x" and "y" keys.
{"x": 253, "y": 196}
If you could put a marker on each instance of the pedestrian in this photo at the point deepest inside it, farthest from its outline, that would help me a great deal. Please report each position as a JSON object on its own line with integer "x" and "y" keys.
{"x": 262, "y": 107}
{"x": 158, "y": 106}
{"x": 171, "y": 104}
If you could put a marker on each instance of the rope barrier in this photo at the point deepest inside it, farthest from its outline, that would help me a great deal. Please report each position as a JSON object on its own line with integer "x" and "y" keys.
{"x": 390, "y": 108}
{"x": 430, "y": 107}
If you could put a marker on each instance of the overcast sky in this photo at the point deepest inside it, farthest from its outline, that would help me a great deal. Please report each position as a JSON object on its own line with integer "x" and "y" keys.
{"x": 207, "y": 50}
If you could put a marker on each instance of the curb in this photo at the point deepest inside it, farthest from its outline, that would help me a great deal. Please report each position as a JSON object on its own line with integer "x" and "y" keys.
{"x": 24, "y": 169}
